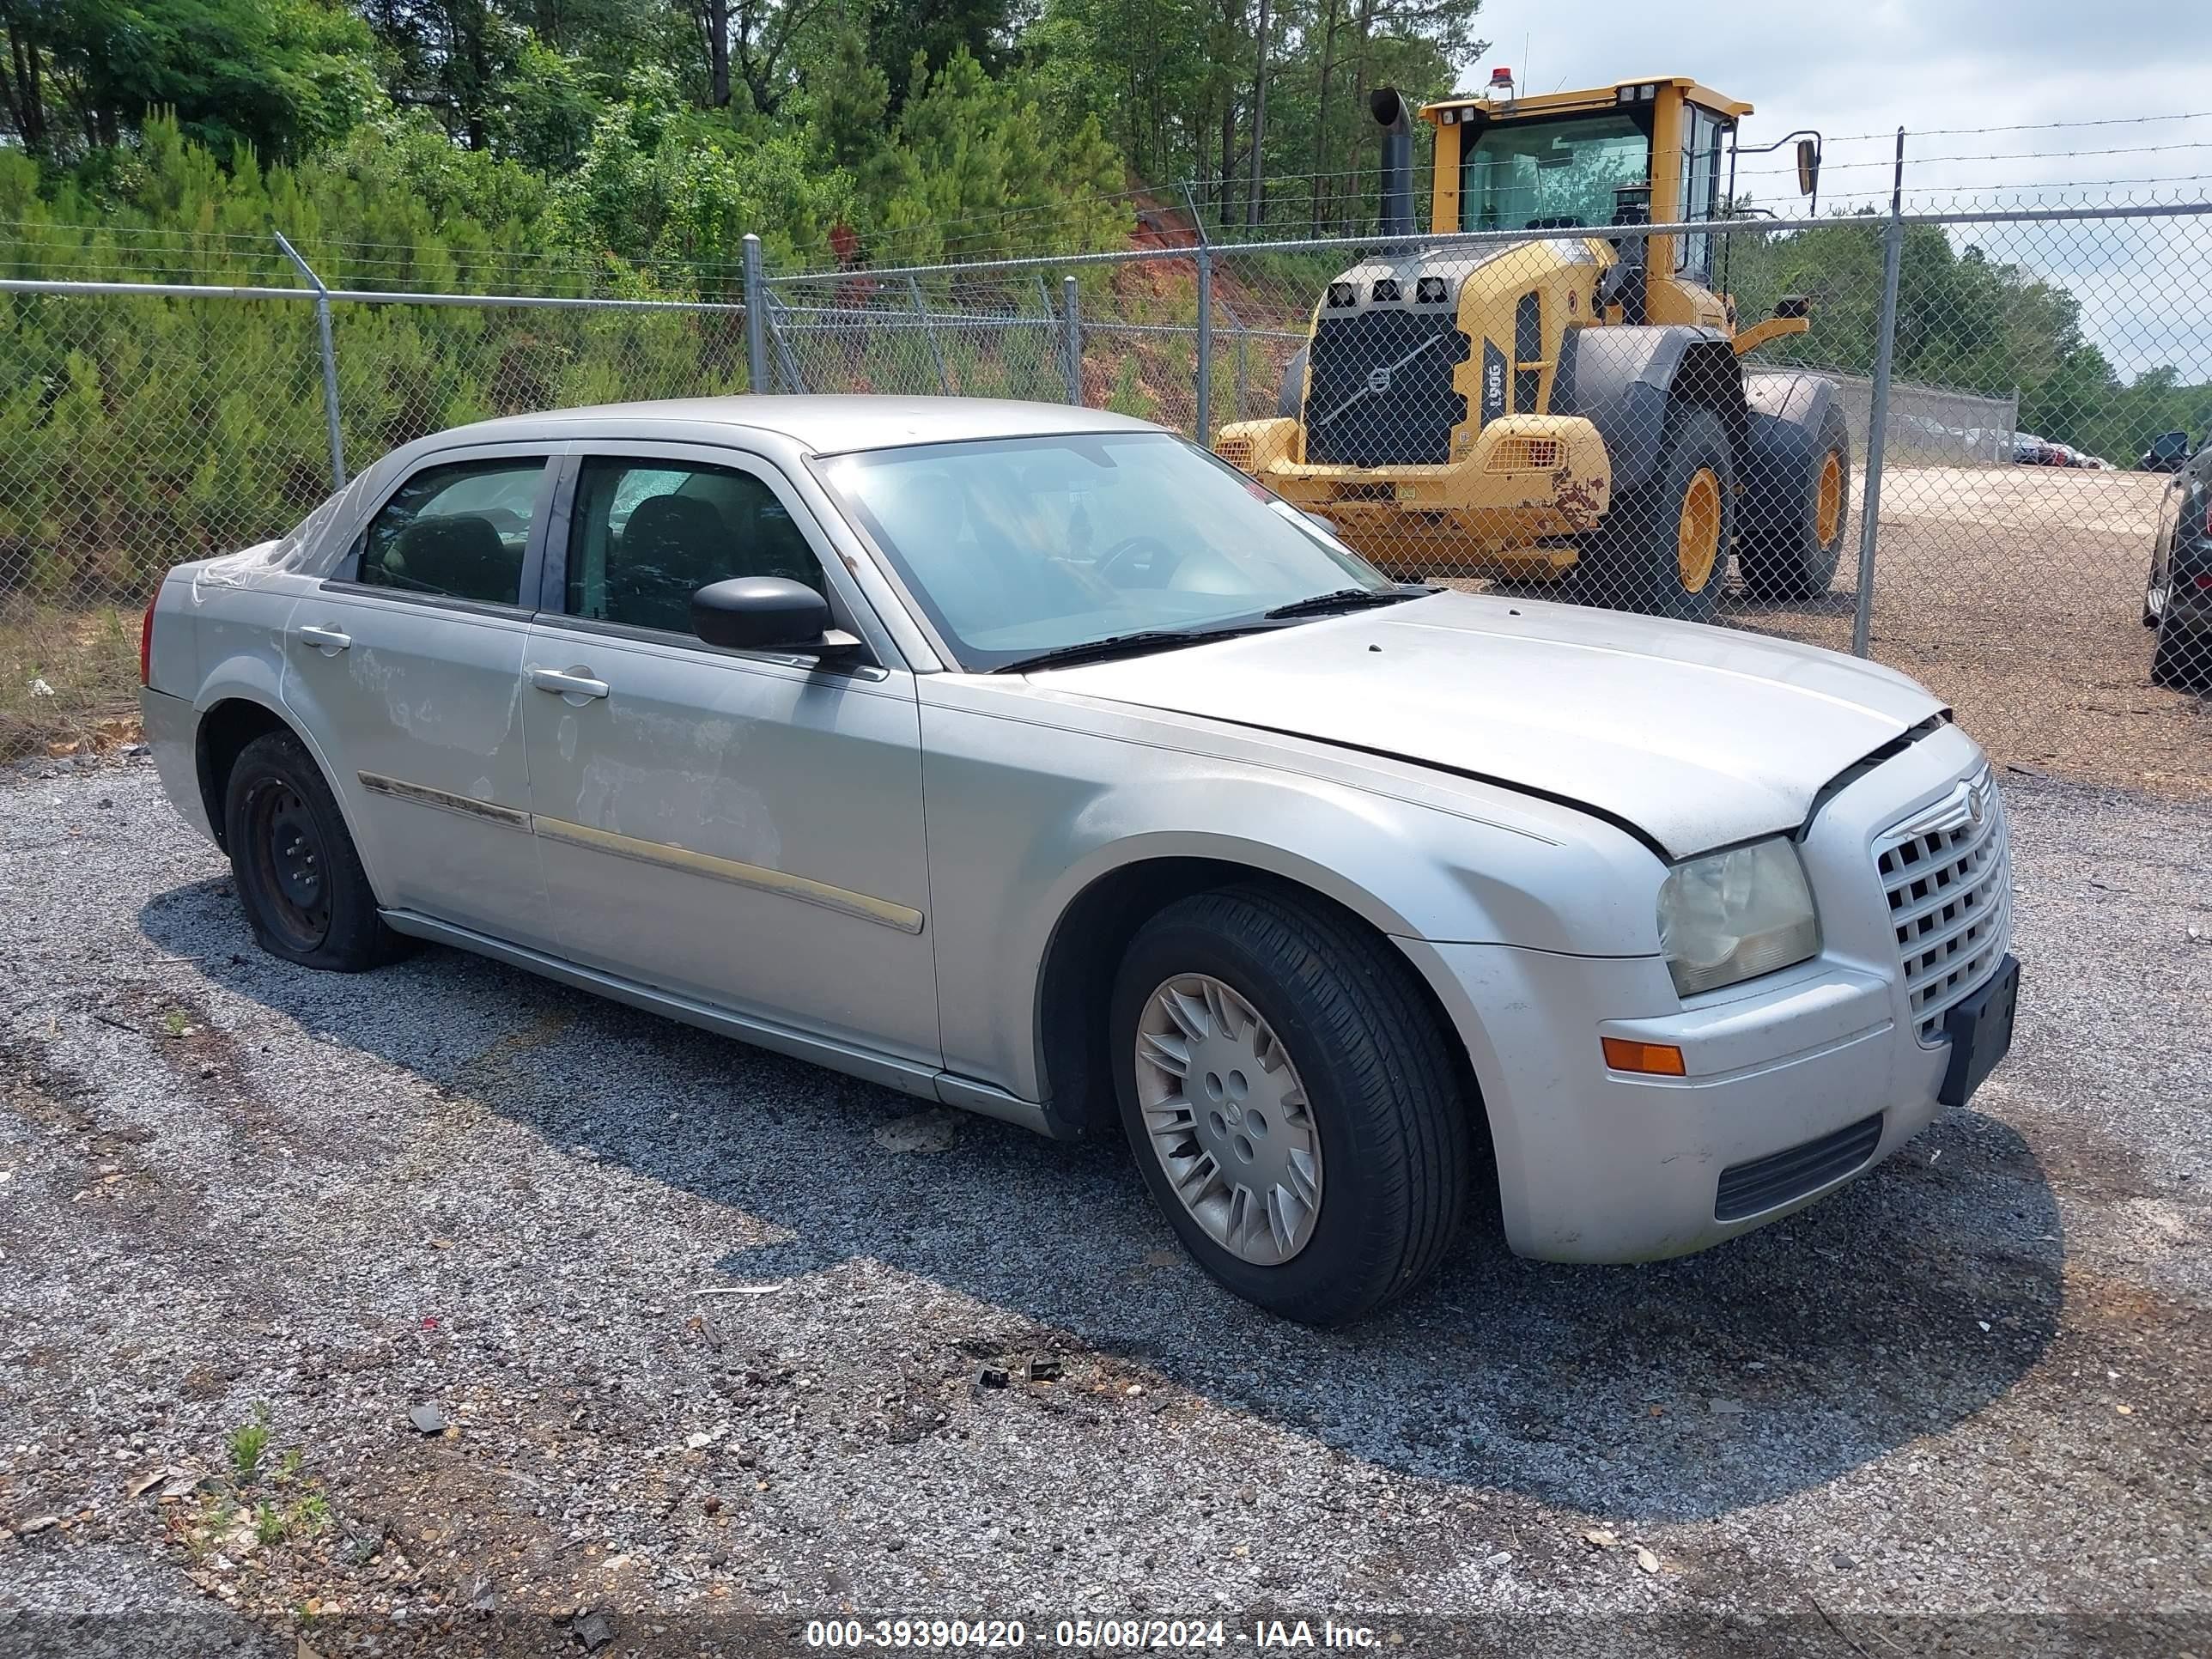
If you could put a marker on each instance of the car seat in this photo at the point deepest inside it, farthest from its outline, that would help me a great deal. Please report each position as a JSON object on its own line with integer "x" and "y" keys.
{"x": 458, "y": 555}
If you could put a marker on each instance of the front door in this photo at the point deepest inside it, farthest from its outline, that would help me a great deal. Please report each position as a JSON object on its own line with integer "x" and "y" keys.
{"x": 405, "y": 668}
{"x": 740, "y": 828}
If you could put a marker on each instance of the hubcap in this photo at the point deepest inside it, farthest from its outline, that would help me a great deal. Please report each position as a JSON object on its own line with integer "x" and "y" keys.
{"x": 1227, "y": 1118}
{"x": 295, "y": 877}
{"x": 1828, "y": 504}
{"x": 1697, "y": 537}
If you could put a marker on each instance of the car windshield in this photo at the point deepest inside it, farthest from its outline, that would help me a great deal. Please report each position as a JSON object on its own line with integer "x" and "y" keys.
{"x": 1551, "y": 175}
{"x": 1017, "y": 547}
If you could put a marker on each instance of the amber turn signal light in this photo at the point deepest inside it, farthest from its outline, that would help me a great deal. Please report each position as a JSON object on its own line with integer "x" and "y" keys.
{"x": 1655, "y": 1059}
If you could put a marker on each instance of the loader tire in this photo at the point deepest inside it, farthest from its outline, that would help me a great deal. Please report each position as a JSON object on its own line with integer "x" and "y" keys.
{"x": 1794, "y": 520}
{"x": 1663, "y": 547}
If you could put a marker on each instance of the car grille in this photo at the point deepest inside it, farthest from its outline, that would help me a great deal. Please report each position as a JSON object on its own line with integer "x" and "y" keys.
{"x": 1746, "y": 1189}
{"x": 1405, "y": 421}
{"x": 1948, "y": 875}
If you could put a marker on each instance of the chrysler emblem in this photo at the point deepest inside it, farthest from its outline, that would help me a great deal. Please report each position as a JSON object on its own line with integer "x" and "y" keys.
{"x": 1378, "y": 379}
{"x": 1976, "y": 808}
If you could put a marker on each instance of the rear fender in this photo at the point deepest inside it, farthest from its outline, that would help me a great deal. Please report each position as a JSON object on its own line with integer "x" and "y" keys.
{"x": 1785, "y": 408}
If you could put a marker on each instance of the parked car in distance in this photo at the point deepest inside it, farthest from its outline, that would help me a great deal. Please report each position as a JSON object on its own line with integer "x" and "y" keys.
{"x": 2028, "y": 450}
{"x": 2177, "y": 597}
{"x": 2169, "y": 452}
{"x": 1029, "y": 759}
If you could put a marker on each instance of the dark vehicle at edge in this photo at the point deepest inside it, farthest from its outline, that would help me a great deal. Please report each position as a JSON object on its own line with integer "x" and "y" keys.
{"x": 2177, "y": 597}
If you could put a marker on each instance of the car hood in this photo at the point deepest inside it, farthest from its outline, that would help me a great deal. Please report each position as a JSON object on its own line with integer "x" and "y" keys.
{"x": 1699, "y": 737}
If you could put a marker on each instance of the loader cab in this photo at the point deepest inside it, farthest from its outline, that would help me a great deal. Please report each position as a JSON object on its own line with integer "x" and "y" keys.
{"x": 1651, "y": 151}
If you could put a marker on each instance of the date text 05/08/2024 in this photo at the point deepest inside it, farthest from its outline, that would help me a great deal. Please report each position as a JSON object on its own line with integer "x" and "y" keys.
{"x": 1086, "y": 1635}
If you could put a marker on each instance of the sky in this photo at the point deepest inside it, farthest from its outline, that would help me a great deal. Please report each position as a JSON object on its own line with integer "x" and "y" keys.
{"x": 1858, "y": 69}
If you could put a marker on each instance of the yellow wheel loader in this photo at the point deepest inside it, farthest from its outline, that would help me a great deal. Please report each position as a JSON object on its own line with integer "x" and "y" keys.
{"x": 1572, "y": 406}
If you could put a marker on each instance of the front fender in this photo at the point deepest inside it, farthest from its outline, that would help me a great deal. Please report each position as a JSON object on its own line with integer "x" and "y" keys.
{"x": 1026, "y": 816}
{"x": 1622, "y": 380}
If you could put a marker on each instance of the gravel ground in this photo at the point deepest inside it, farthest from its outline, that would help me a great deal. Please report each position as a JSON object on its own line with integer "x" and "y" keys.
{"x": 706, "y": 1327}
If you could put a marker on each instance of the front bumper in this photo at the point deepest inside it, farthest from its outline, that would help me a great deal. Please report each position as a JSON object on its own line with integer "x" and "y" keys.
{"x": 1514, "y": 495}
{"x": 1796, "y": 1083}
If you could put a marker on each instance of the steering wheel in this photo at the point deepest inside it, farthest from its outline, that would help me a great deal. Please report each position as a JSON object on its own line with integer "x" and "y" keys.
{"x": 1151, "y": 560}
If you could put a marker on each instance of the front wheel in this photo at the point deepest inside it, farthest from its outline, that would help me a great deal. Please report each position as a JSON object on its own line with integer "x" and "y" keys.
{"x": 1663, "y": 547}
{"x": 1295, "y": 1110}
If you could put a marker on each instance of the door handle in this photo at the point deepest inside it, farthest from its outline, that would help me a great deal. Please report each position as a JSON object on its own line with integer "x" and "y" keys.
{"x": 326, "y": 639}
{"x": 571, "y": 683}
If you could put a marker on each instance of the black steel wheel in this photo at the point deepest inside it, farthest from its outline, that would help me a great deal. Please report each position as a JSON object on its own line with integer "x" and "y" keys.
{"x": 291, "y": 869}
{"x": 299, "y": 879}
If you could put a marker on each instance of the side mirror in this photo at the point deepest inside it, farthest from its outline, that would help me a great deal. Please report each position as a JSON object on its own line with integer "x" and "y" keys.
{"x": 768, "y": 613}
{"x": 1808, "y": 166}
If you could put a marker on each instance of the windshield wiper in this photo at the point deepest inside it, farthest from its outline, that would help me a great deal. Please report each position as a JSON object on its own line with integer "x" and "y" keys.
{"x": 1347, "y": 599}
{"x": 1119, "y": 644}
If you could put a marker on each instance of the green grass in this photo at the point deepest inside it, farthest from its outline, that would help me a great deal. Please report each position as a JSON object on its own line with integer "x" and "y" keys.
{"x": 69, "y": 675}
{"x": 247, "y": 1444}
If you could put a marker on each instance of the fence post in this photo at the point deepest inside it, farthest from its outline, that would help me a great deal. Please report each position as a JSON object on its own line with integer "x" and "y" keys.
{"x": 755, "y": 318}
{"x": 1892, "y": 255}
{"x": 1205, "y": 342}
{"x": 929, "y": 334}
{"x": 330, "y": 361}
{"x": 1074, "y": 341}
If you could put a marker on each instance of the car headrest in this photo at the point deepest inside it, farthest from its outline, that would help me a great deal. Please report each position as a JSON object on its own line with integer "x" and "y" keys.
{"x": 460, "y": 554}
{"x": 677, "y": 533}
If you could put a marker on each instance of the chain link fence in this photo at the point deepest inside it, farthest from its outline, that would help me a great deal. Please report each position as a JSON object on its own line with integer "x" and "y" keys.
{"x": 1510, "y": 411}
{"x": 144, "y": 424}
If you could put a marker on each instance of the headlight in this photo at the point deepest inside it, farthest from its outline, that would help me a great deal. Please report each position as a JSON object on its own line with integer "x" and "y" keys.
{"x": 1735, "y": 915}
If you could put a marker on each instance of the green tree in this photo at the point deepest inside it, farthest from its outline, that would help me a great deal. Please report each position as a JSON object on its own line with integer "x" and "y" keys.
{"x": 282, "y": 77}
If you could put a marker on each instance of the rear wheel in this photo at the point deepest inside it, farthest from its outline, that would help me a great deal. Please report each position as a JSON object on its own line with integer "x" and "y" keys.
{"x": 1295, "y": 1110}
{"x": 1663, "y": 547}
{"x": 298, "y": 877}
{"x": 1795, "y": 519}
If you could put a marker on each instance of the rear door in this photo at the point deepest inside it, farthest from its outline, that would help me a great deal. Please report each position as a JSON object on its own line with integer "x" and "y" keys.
{"x": 743, "y": 828}
{"x": 405, "y": 668}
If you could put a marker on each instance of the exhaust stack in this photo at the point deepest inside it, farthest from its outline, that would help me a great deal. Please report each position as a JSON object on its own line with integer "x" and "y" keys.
{"x": 1396, "y": 207}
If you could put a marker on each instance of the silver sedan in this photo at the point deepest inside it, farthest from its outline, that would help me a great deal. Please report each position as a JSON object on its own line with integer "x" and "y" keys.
{"x": 1029, "y": 759}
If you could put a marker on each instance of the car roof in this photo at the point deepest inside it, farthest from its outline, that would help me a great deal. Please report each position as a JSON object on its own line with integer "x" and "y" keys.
{"x": 825, "y": 425}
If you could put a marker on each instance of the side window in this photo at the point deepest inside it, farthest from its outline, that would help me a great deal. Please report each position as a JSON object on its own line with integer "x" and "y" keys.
{"x": 646, "y": 534}
{"x": 456, "y": 531}
{"x": 1701, "y": 185}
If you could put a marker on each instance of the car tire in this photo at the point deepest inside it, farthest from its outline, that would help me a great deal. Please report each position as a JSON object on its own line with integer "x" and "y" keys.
{"x": 1361, "y": 1079}
{"x": 298, "y": 875}
{"x": 1662, "y": 548}
{"x": 2182, "y": 660}
{"x": 1795, "y": 522}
